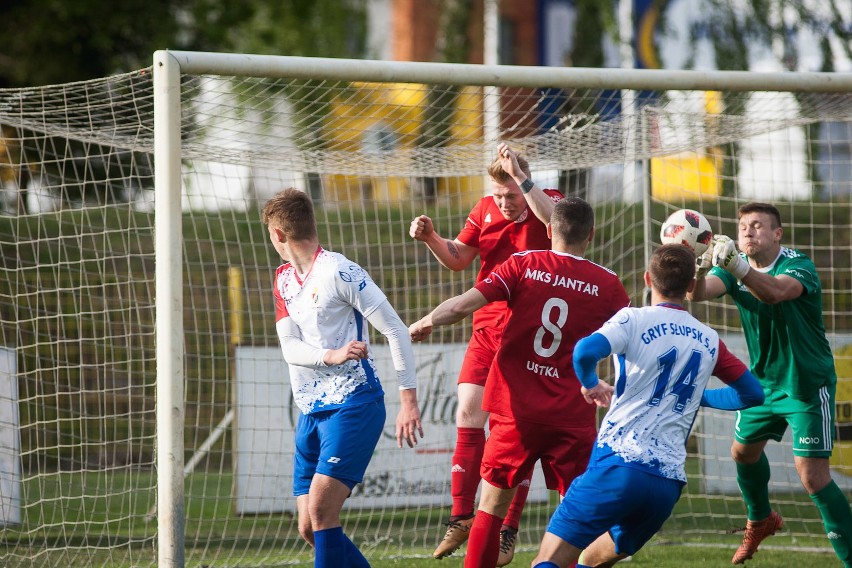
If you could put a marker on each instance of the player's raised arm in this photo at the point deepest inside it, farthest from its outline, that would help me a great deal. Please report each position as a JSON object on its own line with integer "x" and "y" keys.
{"x": 448, "y": 312}
{"x": 453, "y": 254}
{"x": 765, "y": 287}
{"x": 539, "y": 202}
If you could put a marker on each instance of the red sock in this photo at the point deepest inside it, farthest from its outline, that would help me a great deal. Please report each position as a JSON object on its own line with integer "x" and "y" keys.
{"x": 483, "y": 545}
{"x": 464, "y": 480}
{"x": 513, "y": 517}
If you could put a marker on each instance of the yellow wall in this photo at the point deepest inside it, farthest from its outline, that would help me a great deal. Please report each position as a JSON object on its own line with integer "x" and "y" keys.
{"x": 841, "y": 459}
{"x": 398, "y": 108}
{"x": 691, "y": 175}
{"x": 686, "y": 176}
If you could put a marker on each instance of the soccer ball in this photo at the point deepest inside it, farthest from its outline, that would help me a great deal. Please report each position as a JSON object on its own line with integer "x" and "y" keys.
{"x": 689, "y": 228}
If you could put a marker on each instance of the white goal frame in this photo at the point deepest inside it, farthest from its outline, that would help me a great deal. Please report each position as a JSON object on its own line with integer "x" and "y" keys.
{"x": 169, "y": 66}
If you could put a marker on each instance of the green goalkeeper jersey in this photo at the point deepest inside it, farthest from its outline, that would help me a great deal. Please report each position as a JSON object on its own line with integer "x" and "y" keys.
{"x": 786, "y": 341}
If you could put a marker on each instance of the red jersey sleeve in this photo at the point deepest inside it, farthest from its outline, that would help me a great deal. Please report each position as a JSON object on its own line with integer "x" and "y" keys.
{"x": 620, "y": 299}
{"x": 469, "y": 234}
{"x": 554, "y": 195}
{"x": 280, "y": 305}
{"x": 728, "y": 367}
{"x": 499, "y": 284}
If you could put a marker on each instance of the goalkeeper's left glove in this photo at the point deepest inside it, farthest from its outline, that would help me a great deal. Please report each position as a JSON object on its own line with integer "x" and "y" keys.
{"x": 704, "y": 262}
{"x": 725, "y": 255}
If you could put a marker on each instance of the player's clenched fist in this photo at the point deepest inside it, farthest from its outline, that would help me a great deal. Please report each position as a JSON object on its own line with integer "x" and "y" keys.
{"x": 352, "y": 351}
{"x": 420, "y": 329}
{"x": 421, "y": 228}
{"x": 726, "y": 256}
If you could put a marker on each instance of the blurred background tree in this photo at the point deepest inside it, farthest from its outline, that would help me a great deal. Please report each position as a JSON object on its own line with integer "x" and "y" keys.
{"x": 56, "y": 41}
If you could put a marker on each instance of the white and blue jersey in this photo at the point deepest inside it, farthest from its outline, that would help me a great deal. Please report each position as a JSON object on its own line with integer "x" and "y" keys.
{"x": 329, "y": 306}
{"x": 664, "y": 358}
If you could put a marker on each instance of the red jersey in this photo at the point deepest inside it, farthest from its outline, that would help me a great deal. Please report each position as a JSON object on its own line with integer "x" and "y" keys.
{"x": 554, "y": 300}
{"x": 497, "y": 239}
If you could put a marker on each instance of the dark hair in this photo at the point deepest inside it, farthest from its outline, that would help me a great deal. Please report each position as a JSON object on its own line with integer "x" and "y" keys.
{"x": 758, "y": 207}
{"x": 672, "y": 268}
{"x": 291, "y": 211}
{"x": 573, "y": 220}
{"x": 496, "y": 170}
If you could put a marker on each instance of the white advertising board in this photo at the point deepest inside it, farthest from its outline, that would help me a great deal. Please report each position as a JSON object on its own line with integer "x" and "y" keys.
{"x": 266, "y": 417}
{"x": 10, "y": 458}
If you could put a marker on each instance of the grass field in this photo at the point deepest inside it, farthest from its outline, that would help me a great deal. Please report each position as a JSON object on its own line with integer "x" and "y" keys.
{"x": 661, "y": 556}
{"x": 657, "y": 553}
{"x": 697, "y": 534}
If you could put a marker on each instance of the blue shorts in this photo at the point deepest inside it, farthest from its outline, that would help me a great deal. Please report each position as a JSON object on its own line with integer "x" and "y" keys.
{"x": 629, "y": 503}
{"x": 338, "y": 443}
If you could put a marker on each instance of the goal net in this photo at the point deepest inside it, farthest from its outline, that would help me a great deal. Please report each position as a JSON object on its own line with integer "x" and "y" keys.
{"x": 145, "y": 405}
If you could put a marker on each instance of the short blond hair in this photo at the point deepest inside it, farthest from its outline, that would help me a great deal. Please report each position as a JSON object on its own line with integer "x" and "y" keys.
{"x": 495, "y": 170}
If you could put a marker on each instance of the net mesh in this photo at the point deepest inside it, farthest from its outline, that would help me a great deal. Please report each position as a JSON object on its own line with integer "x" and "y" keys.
{"x": 78, "y": 481}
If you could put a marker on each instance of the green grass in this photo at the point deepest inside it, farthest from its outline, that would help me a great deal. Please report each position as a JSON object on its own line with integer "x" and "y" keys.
{"x": 71, "y": 519}
{"x": 658, "y": 555}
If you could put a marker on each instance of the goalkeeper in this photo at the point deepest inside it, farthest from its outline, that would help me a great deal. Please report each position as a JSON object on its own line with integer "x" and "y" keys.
{"x": 778, "y": 294}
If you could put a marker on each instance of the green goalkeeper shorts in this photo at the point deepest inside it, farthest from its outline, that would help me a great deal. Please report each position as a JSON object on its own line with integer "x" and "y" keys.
{"x": 811, "y": 422}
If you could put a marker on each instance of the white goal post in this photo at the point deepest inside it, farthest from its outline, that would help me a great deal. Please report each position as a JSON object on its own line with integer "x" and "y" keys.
{"x": 154, "y": 423}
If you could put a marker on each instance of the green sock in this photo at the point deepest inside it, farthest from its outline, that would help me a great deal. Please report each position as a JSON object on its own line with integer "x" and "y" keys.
{"x": 753, "y": 480}
{"x": 837, "y": 518}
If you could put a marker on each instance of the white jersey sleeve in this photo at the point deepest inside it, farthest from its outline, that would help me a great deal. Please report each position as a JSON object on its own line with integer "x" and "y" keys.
{"x": 388, "y": 323}
{"x": 296, "y": 351}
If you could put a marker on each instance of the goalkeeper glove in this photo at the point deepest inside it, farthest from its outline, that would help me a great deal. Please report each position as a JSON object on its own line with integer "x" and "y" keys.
{"x": 704, "y": 262}
{"x": 725, "y": 255}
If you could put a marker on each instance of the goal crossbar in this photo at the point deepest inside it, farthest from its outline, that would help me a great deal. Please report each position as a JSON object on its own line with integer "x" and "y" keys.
{"x": 201, "y": 63}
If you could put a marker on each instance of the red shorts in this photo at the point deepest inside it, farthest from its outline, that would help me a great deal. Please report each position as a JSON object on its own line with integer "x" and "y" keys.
{"x": 513, "y": 448}
{"x": 480, "y": 353}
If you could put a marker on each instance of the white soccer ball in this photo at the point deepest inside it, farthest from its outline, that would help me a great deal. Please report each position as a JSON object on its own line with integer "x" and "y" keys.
{"x": 689, "y": 228}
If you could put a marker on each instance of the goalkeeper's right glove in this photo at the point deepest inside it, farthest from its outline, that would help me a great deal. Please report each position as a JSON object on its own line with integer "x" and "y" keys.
{"x": 704, "y": 262}
{"x": 725, "y": 255}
